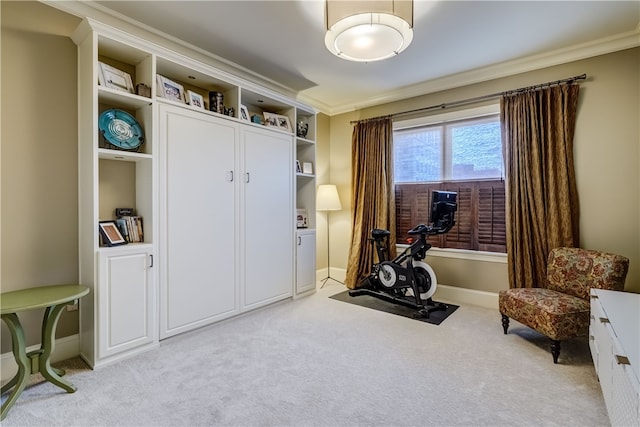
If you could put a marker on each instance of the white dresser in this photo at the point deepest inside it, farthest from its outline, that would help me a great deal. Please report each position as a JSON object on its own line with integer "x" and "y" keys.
{"x": 614, "y": 339}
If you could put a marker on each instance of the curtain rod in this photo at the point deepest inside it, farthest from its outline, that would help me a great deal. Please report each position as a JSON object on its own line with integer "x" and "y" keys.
{"x": 478, "y": 98}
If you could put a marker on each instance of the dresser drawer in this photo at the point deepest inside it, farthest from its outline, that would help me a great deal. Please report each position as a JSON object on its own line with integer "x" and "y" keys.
{"x": 613, "y": 335}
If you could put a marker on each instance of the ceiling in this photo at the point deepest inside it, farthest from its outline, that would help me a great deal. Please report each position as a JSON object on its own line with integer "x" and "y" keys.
{"x": 471, "y": 40}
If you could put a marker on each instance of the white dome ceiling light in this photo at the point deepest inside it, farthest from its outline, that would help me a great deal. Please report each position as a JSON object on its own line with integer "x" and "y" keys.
{"x": 367, "y": 31}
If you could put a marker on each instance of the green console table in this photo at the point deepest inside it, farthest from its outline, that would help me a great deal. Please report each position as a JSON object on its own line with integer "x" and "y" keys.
{"x": 53, "y": 299}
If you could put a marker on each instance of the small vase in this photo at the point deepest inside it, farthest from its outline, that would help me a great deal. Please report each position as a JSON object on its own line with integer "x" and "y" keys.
{"x": 302, "y": 129}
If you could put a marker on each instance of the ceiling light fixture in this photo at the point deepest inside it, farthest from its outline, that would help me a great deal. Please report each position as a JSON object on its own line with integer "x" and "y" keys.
{"x": 367, "y": 31}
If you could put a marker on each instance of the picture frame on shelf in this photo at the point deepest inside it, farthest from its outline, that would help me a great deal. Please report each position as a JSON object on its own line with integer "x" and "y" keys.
{"x": 244, "y": 113}
{"x": 114, "y": 78}
{"x": 111, "y": 234}
{"x": 277, "y": 121}
{"x": 270, "y": 119}
{"x": 169, "y": 89}
{"x": 298, "y": 167}
{"x": 302, "y": 218}
{"x": 284, "y": 123}
{"x": 195, "y": 99}
{"x": 307, "y": 167}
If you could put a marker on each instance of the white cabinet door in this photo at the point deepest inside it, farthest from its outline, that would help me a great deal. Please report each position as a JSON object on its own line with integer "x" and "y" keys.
{"x": 305, "y": 261}
{"x": 198, "y": 209}
{"x": 126, "y": 300}
{"x": 268, "y": 217}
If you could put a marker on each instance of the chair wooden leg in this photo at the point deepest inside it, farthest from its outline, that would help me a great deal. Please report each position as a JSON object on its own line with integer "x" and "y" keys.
{"x": 555, "y": 350}
{"x": 505, "y": 323}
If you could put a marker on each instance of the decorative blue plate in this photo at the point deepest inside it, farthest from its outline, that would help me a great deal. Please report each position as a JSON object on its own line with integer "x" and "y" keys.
{"x": 121, "y": 129}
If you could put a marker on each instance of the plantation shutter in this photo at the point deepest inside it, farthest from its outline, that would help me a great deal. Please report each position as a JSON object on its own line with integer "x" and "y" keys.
{"x": 492, "y": 232}
{"x": 480, "y": 219}
{"x": 461, "y": 235}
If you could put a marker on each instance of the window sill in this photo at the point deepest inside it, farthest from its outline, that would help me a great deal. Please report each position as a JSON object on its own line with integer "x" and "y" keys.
{"x": 463, "y": 254}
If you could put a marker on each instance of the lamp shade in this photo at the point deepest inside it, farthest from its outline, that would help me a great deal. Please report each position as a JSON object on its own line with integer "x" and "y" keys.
{"x": 367, "y": 31}
{"x": 327, "y": 198}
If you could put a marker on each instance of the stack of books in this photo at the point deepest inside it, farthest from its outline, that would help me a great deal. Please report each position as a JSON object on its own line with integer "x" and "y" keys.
{"x": 130, "y": 225}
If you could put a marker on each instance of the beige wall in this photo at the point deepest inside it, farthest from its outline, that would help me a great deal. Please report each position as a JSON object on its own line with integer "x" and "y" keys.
{"x": 39, "y": 216}
{"x": 607, "y": 159}
{"x": 322, "y": 177}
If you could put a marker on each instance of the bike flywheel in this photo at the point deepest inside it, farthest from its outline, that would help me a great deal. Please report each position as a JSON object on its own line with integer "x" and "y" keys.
{"x": 425, "y": 278}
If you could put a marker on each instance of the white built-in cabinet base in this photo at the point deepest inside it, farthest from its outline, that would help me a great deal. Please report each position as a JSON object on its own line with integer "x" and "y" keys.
{"x": 305, "y": 261}
{"x": 126, "y": 304}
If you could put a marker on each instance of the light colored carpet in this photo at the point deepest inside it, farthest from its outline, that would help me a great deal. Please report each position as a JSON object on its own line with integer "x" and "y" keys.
{"x": 321, "y": 362}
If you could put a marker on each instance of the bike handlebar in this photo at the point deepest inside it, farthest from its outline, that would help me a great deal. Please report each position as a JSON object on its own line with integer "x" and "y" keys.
{"x": 419, "y": 229}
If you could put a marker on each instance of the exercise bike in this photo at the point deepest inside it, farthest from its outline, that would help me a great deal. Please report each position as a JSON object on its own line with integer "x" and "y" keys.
{"x": 407, "y": 280}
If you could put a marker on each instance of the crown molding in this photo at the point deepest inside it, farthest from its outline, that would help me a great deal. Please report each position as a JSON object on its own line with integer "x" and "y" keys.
{"x": 630, "y": 39}
{"x": 590, "y": 49}
{"x": 106, "y": 16}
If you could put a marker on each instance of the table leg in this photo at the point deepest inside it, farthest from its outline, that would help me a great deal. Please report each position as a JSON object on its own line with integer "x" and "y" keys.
{"x": 19, "y": 352}
{"x": 49, "y": 323}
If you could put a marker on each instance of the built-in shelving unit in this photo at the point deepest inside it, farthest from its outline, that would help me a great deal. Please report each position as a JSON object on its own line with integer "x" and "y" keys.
{"x": 118, "y": 318}
{"x": 306, "y": 200}
{"x": 121, "y": 316}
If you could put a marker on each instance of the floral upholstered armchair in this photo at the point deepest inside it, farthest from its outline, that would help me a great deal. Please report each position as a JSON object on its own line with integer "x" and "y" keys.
{"x": 560, "y": 309}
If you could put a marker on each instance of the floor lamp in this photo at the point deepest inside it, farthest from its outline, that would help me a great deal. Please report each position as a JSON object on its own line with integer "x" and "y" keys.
{"x": 328, "y": 200}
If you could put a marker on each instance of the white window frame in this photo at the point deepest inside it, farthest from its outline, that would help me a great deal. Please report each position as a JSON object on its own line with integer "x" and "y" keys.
{"x": 467, "y": 113}
{"x": 444, "y": 118}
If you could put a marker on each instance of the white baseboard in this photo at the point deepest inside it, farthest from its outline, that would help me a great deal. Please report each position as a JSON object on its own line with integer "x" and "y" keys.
{"x": 64, "y": 349}
{"x": 466, "y": 296}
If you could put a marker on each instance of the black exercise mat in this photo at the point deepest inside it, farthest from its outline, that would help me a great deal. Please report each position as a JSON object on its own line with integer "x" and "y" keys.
{"x": 370, "y": 301}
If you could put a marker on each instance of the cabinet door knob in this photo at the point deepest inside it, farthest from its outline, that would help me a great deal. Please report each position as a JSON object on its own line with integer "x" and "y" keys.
{"x": 230, "y": 176}
{"x": 248, "y": 178}
{"x": 299, "y": 240}
{"x": 604, "y": 320}
{"x": 150, "y": 260}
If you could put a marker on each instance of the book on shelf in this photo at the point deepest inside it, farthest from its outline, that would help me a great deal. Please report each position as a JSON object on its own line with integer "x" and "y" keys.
{"x": 130, "y": 225}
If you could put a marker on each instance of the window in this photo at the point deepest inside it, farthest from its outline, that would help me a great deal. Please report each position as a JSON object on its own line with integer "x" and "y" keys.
{"x": 459, "y": 152}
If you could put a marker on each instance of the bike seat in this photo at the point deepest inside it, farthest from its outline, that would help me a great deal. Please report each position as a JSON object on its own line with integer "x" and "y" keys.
{"x": 378, "y": 233}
